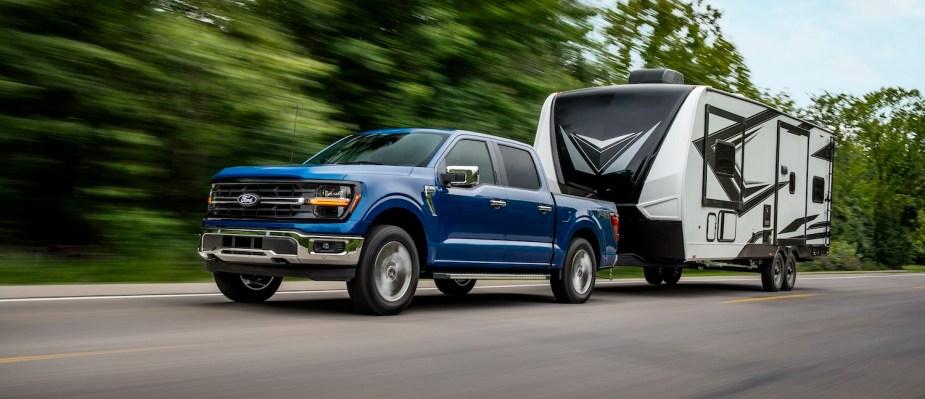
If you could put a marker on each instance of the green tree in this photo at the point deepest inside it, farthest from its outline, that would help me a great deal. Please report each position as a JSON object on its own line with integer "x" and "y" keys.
{"x": 116, "y": 114}
{"x": 879, "y": 171}
{"x": 684, "y": 36}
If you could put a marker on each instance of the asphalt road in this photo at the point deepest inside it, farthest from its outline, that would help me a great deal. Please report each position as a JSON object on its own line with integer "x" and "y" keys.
{"x": 840, "y": 336}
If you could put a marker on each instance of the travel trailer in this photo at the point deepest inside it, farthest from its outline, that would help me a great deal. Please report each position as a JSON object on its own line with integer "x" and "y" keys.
{"x": 701, "y": 177}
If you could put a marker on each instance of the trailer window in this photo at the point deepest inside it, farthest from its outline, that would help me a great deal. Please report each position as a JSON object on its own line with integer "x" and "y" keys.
{"x": 519, "y": 168}
{"x": 725, "y": 158}
{"x": 818, "y": 189}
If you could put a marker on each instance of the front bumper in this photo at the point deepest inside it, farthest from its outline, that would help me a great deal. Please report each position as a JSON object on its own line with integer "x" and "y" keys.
{"x": 278, "y": 247}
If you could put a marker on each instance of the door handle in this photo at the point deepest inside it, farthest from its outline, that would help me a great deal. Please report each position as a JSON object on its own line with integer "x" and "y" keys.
{"x": 497, "y": 204}
{"x": 544, "y": 209}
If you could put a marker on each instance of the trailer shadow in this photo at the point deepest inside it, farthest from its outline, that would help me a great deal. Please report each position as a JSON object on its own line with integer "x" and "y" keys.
{"x": 678, "y": 290}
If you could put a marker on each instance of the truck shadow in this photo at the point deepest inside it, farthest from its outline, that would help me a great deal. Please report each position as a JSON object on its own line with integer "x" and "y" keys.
{"x": 283, "y": 305}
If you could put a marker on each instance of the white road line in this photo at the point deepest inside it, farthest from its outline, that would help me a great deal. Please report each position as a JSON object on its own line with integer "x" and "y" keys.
{"x": 599, "y": 282}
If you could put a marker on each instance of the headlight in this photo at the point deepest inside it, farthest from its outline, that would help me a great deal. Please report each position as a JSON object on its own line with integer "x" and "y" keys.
{"x": 333, "y": 201}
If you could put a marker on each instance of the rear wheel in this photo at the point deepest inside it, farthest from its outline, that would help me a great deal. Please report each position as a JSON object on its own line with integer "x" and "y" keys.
{"x": 772, "y": 273}
{"x": 246, "y": 288}
{"x": 577, "y": 275}
{"x": 387, "y": 274}
{"x": 653, "y": 275}
{"x": 790, "y": 273}
{"x": 671, "y": 275}
{"x": 454, "y": 286}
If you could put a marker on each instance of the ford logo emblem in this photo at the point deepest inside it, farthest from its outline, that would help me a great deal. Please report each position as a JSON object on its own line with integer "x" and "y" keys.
{"x": 248, "y": 199}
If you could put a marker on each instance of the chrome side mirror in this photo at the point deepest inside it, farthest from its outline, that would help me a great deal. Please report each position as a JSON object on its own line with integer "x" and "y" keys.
{"x": 460, "y": 176}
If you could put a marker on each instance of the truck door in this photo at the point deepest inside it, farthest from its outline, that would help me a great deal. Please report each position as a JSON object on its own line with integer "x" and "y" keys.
{"x": 792, "y": 161}
{"x": 529, "y": 213}
{"x": 469, "y": 232}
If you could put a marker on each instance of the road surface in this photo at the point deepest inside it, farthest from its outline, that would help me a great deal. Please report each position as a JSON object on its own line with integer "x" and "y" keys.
{"x": 840, "y": 336}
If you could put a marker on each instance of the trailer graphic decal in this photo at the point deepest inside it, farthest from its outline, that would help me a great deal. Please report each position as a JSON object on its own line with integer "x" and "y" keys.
{"x": 602, "y": 154}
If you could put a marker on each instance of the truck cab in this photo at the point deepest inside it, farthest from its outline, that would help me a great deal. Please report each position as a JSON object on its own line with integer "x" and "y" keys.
{"x": 382, "y": 209}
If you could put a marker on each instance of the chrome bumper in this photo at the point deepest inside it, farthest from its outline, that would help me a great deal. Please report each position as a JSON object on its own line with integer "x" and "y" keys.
{"x": 298, "y": 248}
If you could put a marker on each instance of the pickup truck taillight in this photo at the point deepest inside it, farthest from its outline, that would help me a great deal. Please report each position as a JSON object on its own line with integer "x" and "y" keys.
{"x": 615, "y": 226}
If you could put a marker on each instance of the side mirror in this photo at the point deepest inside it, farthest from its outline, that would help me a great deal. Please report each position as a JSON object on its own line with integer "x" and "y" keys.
{"x": 460, "y": 176}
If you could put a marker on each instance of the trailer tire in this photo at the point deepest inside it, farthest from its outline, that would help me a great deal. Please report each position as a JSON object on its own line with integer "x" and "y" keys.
{"x": 772, "y": 273}
{"x": 653, "y": 275}
{"x": 246, "y": 288}
{"x": 671, "y": 275}
{"x": 576, "y": 281}
{"x": 454, "y": 287}
{"x": 790, "y": 273}
{"x": 387, "y": 274}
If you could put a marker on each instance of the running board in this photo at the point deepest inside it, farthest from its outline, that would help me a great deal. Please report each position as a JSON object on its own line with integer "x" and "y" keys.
{"x": 489, "y": 276}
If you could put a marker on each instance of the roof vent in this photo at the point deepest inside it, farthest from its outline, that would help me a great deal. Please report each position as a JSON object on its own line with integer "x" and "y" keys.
{"x": 661, "y": 75}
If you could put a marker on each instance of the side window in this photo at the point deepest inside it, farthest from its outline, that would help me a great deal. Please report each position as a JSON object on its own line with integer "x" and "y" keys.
{"x": 818, "y": 189}
{"x": 519, "y": 168}
{"x": 472, "y": 153}
{"x": 725, "y": 158}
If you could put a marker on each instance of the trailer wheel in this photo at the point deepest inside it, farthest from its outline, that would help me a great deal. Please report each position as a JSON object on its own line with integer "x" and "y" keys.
{"x": 790, "y": 272}
{"x": 454, "y": 287}
{"x": 246, "y": 288}
{"x": 772, "y": 273}
{"x": 653, "y": 275}
{"x": 671, "y": 275}
{"x": 387, "y": 274}
{"x": 578, "y": 274}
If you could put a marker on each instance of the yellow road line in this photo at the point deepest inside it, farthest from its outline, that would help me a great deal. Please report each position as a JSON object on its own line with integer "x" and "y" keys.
{"x": 52, "y": 356}
{"x": 921, "y": 286}
{"x": 770, "y": 298}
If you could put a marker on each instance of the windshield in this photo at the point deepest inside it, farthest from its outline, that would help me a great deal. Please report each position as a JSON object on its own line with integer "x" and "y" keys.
{"x": 605, "y": 138}
{"x": 397, "y": 149}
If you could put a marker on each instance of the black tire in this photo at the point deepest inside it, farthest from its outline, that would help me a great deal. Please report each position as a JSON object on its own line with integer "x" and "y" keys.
{"x": 246, "y": 288}
{"x": 790, "y": 273}
{"x": 671, "y": 275}
{"x": 772, "y": 275}
{"x": 653, "y": 275}
{"x": 454, "y": 287}
{"x": 387, "y": 274}
{"x": 579, "y": 271}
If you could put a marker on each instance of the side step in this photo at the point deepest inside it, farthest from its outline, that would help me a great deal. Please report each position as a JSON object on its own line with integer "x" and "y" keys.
{"x": 489, "y": 276}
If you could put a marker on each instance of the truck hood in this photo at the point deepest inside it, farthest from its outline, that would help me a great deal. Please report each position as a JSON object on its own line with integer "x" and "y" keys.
{"x": 323, "y": 172}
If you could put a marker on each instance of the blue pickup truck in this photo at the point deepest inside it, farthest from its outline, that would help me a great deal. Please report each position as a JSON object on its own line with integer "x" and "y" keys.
{"x": 382, "y": 209}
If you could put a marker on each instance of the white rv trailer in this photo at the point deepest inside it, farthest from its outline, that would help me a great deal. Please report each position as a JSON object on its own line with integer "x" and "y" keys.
{"x": 701, "y": 177}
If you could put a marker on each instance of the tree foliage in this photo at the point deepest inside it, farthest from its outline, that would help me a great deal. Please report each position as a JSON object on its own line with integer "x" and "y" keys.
{"x": 879, "y": 171}
{"x": 115, "y": 114}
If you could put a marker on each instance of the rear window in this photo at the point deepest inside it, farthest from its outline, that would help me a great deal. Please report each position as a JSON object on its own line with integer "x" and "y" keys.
{"x": 519, "y": 168}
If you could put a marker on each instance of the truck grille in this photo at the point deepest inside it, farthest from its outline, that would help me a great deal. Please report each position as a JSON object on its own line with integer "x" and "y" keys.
{"x": 277, "y": 200}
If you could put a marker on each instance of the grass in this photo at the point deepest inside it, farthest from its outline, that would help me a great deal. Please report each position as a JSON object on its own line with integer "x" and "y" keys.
{"x": 180, "y": 266}
{"x": 154, "y": 268}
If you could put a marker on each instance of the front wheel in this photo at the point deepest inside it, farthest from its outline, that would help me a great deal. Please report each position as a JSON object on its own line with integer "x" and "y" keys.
{"x": 387, "y": 274}
{"x": 772, "y": 273}
{"x": 577, "y": 275}
{"x": 454, "y": 287}
{"x": 653, "y": 275}
{"x": 246, "y": 288}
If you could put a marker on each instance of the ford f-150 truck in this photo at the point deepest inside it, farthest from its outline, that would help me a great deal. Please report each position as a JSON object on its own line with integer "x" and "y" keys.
{"x": 382, "y": 209}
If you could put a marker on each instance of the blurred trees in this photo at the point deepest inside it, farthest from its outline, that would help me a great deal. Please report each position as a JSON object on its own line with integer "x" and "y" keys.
{"x": 114, "y": 114}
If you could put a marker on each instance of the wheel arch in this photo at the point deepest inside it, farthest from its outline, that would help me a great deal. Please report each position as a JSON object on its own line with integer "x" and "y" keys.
{"x": 407, "y": 220}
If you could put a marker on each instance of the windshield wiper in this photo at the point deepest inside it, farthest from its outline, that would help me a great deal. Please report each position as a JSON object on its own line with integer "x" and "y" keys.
{"x": 361, "y": 163}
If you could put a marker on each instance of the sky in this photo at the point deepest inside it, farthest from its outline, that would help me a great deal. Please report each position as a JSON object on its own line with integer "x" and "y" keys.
{"x": 808, "y": 47}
